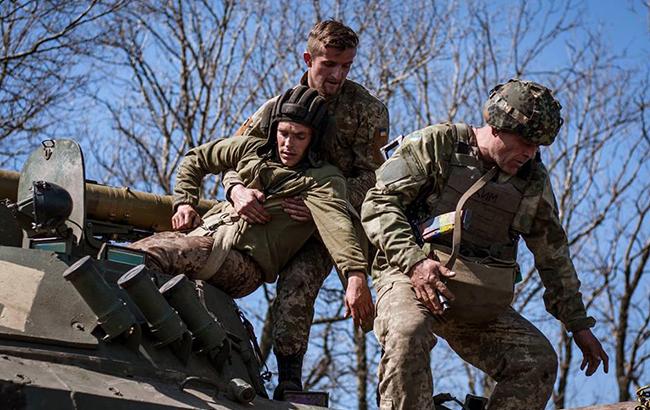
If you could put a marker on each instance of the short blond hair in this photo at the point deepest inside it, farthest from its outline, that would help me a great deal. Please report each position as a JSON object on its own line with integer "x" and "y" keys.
{"x": 330, "y": 33}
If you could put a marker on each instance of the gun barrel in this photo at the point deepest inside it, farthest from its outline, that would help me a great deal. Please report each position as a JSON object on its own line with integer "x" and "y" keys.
{"x": 123, "y": 205}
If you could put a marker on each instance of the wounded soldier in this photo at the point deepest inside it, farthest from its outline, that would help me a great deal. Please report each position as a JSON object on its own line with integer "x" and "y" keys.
{"x": 238, "y": 257}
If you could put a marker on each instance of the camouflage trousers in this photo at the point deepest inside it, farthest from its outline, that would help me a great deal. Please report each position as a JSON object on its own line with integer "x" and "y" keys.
{"x": 512, "y": 351}
{"x": 174, "y": 253}
{"x": 296, "y": 291}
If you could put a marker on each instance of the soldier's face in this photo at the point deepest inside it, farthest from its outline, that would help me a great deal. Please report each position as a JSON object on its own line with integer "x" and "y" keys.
{"x": 511, "y": 151}
{"x": 328, "y": 71}
{"x": 293, "y": 142}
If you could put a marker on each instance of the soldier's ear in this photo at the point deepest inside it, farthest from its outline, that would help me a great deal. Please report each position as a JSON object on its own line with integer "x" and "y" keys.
{"x": 307, "y": 57}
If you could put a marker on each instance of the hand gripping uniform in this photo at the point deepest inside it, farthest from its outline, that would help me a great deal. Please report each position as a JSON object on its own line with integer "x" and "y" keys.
{"x": 427, "y": 176}
{"x": 352, "y": 144}
{"x": 269, "y": 246}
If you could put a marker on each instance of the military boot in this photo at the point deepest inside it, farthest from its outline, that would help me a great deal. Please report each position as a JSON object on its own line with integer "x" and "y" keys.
{"x": 289, "y": 374}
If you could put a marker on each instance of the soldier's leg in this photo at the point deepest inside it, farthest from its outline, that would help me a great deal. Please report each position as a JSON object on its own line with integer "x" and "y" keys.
{"x": 296, "y": 292}
{"x": 513, "y": 352}
{"x": 404, "y": 329}
{"x": 174, "y": 253}
{"x": 238, "y": 276}
{"x": 293, "y": 311}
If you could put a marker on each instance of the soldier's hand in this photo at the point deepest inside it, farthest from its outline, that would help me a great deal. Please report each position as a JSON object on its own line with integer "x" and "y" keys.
{"x": 249, "y": 204}
{"x": 295, "y": 207}
{"x": 358, "y": 301}
{"x": 427, "y": 278}
{"x": 592, "y": 351}
{"x": 185, "y": 218}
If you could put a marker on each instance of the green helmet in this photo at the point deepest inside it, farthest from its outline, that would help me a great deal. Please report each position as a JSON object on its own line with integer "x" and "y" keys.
{"x": 525, "y": 108}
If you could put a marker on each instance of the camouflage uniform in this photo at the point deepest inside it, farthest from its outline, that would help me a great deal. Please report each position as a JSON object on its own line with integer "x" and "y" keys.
{"x": 361, "y": 128}
{"x": 258, "y": 252}
{"x": 175, "y": 253}
{"x": 510, "y": 349}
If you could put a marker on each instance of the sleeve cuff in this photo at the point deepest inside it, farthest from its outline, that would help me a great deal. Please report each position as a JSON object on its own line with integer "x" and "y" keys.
{"x": 580, "y": 324}
{"x": 410, "y": 258}
{"x": 178, "y": 201}
{"x": 346, "y": 272}
{"x": 230, "y": 187}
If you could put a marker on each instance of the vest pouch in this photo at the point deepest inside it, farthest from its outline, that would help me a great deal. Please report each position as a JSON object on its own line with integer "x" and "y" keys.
{"x": 483, "y": 287}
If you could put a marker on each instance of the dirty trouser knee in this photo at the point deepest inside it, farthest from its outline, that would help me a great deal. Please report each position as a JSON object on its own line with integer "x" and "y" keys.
{"x": 174, "y": 253}
{"x": 513, "y": 352}
{"x": 404, "y": 329}
{"x": 297, "y": 289}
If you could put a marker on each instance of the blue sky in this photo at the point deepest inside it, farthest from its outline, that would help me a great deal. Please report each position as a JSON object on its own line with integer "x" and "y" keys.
{"x": 624, "y": 24}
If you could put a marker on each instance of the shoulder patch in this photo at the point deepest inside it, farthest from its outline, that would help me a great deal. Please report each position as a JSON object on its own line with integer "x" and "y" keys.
{"x": 393, "y": 170}
{"x": 244, "y": 127}
{"x": 401, "y": 166}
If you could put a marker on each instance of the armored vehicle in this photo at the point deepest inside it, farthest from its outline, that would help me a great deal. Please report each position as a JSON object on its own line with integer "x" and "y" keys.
{"x": 83, "y": 324}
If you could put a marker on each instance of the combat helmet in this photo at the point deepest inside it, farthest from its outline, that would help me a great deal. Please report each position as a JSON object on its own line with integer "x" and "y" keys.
{"x": 525, "y": 108}
{"x": 303, "y": 105}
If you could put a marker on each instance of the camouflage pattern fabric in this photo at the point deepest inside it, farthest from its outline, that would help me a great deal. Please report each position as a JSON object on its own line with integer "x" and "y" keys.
{"x": 296, "y": 291}
{"x": 524, "y": 108}
{"x": 174, "y": 253}
{"x": 422, "y": 163}
{"x": 323, "y": 189}
{"x": 352, "y": 145}
{"x": 510, "y": 350}
{"x": 361, "y": 129}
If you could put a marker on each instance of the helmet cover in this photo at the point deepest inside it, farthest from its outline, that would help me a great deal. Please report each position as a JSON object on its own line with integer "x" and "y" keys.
{"x": 524, "y": 108}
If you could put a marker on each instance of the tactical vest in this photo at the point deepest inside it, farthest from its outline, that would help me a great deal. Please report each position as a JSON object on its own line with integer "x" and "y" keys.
{"x": 488, "y": 231}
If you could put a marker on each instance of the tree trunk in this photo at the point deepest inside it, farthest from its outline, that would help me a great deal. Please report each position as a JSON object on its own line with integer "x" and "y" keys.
{"x": 362, "y": 368}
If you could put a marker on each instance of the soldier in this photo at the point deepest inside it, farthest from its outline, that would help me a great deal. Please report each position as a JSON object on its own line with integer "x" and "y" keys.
{"x": 433, "y": 172}
{"x": 237, "y": 256}
{"x": 353, "y": 146}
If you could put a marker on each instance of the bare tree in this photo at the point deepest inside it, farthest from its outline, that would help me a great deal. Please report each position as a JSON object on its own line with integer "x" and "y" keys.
{"x": 182, "y": 64}
{"x": 170, "y": 75}
{"x": 42, "y": 45}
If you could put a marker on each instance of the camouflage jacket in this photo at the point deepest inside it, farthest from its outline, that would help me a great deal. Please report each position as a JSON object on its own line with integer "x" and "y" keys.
{"x": 273, "y": 244}
{"x": 422, "y": 162}
{"x": 361, "y": 129}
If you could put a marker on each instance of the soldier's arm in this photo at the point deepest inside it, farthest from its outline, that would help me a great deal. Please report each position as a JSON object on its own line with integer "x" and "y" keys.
{"x": 399, "y": 181}
{"x": 210, "y": 158}
{"x": 367, "y": 157}
{"x": 547, "y": 241}
{"x": 345, "y": 242}
{"x": 328, "y": 206}
{"x": 251, "y": 127}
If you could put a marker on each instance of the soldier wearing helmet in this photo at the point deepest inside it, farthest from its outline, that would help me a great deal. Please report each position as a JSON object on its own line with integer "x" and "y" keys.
{"x": 238, "y": 257}
{"x": 486, "y": 187}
